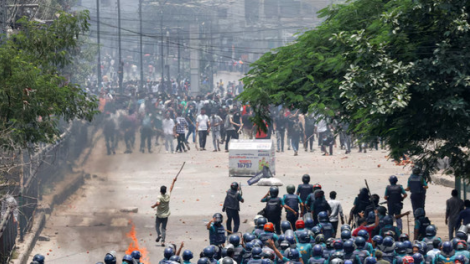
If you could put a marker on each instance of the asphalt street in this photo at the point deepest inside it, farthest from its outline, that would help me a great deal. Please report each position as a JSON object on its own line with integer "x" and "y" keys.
{"x": 90, "y": 223}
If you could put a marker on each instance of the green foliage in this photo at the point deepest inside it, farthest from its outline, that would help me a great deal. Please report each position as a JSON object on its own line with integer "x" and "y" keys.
{"x": 33, "y": 94}
{"x": 394, "y": 69}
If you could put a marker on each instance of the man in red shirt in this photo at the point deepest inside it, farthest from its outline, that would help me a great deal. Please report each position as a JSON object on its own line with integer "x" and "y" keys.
{"x": 363, "y": 226}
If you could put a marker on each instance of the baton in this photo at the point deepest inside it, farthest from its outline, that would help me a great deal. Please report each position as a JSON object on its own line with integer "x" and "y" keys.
{"x": 180, "y": 170}
{"x": 370, "y": 194}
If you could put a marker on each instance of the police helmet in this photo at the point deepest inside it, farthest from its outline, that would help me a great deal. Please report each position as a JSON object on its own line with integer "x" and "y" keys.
{"x": 462, "y": 236}
{"x": 337, "y": 255}
{"x": 306, "y": 178}
{"x": 360, "y": 242}
{"x": 460, "y": 259}
{"x": 309, "y": 223}
{"x": 322, "y": 217}
{"x": 218, "y": 218}
{"x": 187, "y": 255}
{"x": 285, "y": 225}
{"x": 400, "y": 248}
{"x": 454, "y": 242}
{"x": 381, "y": 210}
{"x": 110, "y": 258}
{"x": 337, "y": 261}
{"x": 136, "y": 254}
{"x": 418, "y": 258}
{"x": 293, "y": 254}
{"x": 370, "y": 260}
{"x": 316, "y": 230}
{"x": 431, "y": 230}
{"x": 269, "y": 227}
{"x": 408, "y": 246}
{"x": 363, "y": 233}
{"x": 348, "y": 246}
{"x": 266, "y": 261}
{"x": 203, "y": 261}
{"x": 261, "y": 222}
{"x": 168, "y": 252}
{"x": 388, "y": 242}
{"x": 283, "y": 244}
{"x": 345, "y": 227}
{"x": 39, "y": 258}
{"x": 347, "y": 261}
{"x": 268, "y": 254}
{"x": 317, "y": 251}
{"x": 234, "y": 186}
{"x": 408, "y": 260}
{"x": 249, "y": 246}
{"x": 290, "y": 189}
{"x": 273, "y": 191}
{"x": 35, "y": 262}
{"x": 175, "y": 258}
{"x": 320, "y": 238}
{"x": 291, "y": 240}
{"x": 416, "y": 171}
{"x": 370, "y": 217}
{"x": 419, "y": 213}
{"x": 329, "y": 243}
{"x": 393, "y": 179}
{"x": 419, "y": 246}
{"x": 388, "y": 220}
{"x": 338, "y": 244}
{"x": 247, "y": 237}
{"x": 346, "y": 235}
{"x": 303, "y": 236}
{"x": 300, "y": 224}
{"x": 317, "y": 186}
{"x": 234, "y": 240}
{"x": 461, "y": 245}
{"x": 127, "y": 258}
{"x": 209, "y": 252}
{"x": 378, "y": 240}
{"x": 403, "y": 237}
{"x": 256, "y": 252}
{"x": 227, "y": 260}
{"x": 257, "y": 243}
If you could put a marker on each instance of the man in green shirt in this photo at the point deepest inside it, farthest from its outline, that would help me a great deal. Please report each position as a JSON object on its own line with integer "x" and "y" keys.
{"x": 163, "y": 212}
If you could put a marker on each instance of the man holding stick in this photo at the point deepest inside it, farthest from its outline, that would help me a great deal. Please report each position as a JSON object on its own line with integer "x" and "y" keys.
{"x": 163, "y": 211}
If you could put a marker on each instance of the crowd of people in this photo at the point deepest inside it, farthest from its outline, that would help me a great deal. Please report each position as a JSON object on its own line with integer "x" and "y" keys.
{"x": 371, "y": 233}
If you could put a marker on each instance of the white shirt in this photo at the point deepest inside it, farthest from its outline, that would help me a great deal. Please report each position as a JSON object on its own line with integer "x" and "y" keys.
{"x": 321, "y": 126}
{"x": 336, "y": 209}
{"x": 168, "y": 125}
{"x": 202, "y": 120}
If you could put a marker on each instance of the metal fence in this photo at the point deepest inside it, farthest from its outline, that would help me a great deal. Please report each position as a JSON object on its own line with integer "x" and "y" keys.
{"x": 36, "y": 167}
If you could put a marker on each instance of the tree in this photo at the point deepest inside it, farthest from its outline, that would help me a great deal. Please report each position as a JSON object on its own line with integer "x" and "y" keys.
{"x": 34, "y": 96}
{"x": 395, "y": 70}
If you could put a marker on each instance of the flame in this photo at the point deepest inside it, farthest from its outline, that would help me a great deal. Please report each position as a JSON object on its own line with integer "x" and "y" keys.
{"x": 134, "y": 245}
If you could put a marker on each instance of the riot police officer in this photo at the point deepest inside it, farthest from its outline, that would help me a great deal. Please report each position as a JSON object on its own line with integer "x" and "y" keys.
{"x": 417, "y": 186}
{"x": 239, "y": 251}
{"x": 232, "y": 207}
{"x": 273, "y": 207}
{"x": 187, "y": 256}
{"x": 216, "y": 230}
{"x": 39, "y": 258}
{"x": 136, "y": 255}
{"x": 292, "y": 201}
{"x": 394, "y": 194}
{"x": 325, "y": 225}
{"x": 127, "y": 259}
{"x": 110, "y": 258}
{"x": 304, "y": 189}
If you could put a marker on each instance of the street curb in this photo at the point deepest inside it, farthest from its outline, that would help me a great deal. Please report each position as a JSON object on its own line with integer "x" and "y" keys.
{"x": 443, "y": 181}
{"x": 40, "y": 218}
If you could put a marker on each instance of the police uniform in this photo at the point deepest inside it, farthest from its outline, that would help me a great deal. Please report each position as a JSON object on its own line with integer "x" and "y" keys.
{"x": 416, "y": 185}
{"x": 293, "y": 201}
{"x": 232, "y": 207}
{"x": 217, "y": 235}
{"x": 274, "y": 211}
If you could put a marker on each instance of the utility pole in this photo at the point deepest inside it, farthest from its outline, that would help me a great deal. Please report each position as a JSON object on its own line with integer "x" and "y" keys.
{"x": 121, "y": 68}
{"x": 167, "y": 65}
{"x": 162, "y": 61}
{"x": 179, "y": 54}
{"x": 211, "y": 56}
{"x": 194, "y": 57}
{"x": 99, "y": 43}
{"x": 141, "y": 88}
{"x": 4, "y": 16}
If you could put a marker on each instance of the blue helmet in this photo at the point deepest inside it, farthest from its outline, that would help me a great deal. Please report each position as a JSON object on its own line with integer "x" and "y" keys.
{"x": 293, "y": 254}
{"x": 370, "y": 260}
{"x": 393, "y": 179}
{"x": 408, "y": 246}
{"x": 345, "y": 227}
{"x": 378, "y": 240}
{"x": 249, "y": 246}
{"x": 281, "y": 238}
{"x": 110, "y": 259}
{"x": 209, "y": 252}
{"x": 309, "y": 223}
{"x": 168, "y": 252}
{"x": 431, "y": 230}
{"x": 388, "y": 242}
{"x": 322, "y": 217}
{"x": 338, "y": 244}
{"x": 460, "y": 258}
{"x": 257, "y": 253}
{"x": 348, "y": 261}
{"x": 203, "y": 261}
{"x": 360, "y": 242}
{"x": 388, "y": 220}
{"x": 291, "y": 240}
{"x": 273, "y": 191}
{"x": 403, "y": 237}
{"x": 127, "y": 258}
{"x": 400, "y": 248}
{"x": 345, "y": 235}
{"x": 418, "y": 258}
{"x": 317, "y": 251}
{"x": 371, "y": 217}
{"x": 419, "y": 213}
{"x": 223, "y": 252}
{"x": 268, "y": 254}
{"x": 316, "y": 230}
{"x": 234, "y": 240}
{"x": 136, "y": 254}
{"x": 454, "y": 242}
{"x": 348, "y": 246}
{"x": 363, "y": 233}
{"x": 261, "y": 222}
{"x": 248, "y": 237}
{"x": 285, "y": 225}
{"x": 176, "y": 258}
{"x": 39, "y": 258}
{"x": 266, "y": 261}
{"x": 303, "y": 237}
{"x": 187, "y": 255}
{"x": 257, "y": 242}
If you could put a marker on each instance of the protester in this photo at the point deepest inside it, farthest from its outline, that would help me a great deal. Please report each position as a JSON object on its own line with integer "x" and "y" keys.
{"x": 163, "y": 212}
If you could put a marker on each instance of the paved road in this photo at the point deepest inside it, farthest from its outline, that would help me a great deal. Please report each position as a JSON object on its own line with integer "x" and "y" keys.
{"x": 90, "y": 223}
